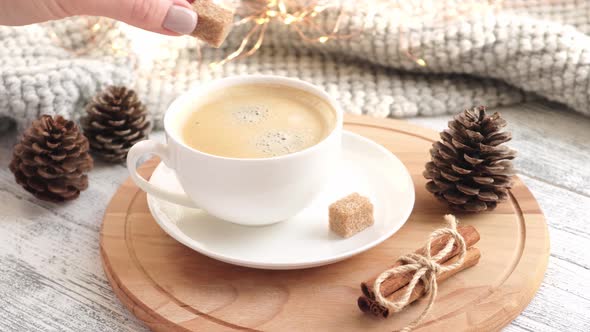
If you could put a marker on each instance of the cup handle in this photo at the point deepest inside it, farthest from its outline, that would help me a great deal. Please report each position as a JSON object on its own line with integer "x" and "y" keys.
{"x": 161, "y": 150}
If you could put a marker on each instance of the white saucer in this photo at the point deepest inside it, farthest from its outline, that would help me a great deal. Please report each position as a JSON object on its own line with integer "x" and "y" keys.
{"x": 304, "y": 240}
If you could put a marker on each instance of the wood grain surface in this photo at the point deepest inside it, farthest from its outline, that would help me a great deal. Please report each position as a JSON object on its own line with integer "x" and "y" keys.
{"x": 51, "y": 278}
{"x": 173, "y": 288}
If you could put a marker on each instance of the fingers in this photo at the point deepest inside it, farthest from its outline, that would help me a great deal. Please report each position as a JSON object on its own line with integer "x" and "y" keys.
{"x": 24, "y": 12}
{"x": 172, "y": 17}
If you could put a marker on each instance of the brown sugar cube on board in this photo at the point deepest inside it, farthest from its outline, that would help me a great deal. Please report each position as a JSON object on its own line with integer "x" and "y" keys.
{"x": 214, "y": 22}
{"x": 351, "y": 215}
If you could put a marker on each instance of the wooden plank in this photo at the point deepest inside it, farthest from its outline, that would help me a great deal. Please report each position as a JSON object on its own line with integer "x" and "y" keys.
{"x": 41, "y": 242}
{"x": 50, "y": 273}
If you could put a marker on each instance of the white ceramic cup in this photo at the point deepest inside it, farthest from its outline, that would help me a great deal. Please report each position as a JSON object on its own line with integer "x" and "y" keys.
{"x": 243, "y": 191}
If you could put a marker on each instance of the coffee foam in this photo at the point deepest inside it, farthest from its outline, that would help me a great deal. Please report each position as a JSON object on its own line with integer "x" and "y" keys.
{"x": 279, "y": 142}
{"x": 250, "y": 114}
{"x": 272, "y": 142}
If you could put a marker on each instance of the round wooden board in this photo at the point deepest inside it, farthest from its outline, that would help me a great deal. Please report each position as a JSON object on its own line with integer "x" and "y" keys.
{"x": 172, "y": 288}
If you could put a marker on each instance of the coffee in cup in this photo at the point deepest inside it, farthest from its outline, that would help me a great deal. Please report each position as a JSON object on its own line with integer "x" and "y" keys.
{"x": 258, "y": 121}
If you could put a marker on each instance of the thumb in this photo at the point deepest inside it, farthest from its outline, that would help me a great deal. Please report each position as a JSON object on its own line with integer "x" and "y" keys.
{"x": 171, "y": 17}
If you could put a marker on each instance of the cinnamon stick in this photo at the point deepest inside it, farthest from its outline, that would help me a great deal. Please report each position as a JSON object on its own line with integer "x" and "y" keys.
{"x": 391, "y": 285}
{"x": 370, "y": 305}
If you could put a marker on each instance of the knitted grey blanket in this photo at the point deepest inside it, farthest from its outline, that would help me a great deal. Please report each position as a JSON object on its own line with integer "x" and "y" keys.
{"x": 524, "y": 49}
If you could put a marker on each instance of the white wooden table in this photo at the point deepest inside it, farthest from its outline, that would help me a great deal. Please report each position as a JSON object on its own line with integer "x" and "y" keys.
{"x": 51, "y": 277}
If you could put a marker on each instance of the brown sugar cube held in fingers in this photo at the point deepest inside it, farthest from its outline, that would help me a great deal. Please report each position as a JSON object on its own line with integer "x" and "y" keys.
{"x": 214, "y": 22}
{"x": 351, "y": 215}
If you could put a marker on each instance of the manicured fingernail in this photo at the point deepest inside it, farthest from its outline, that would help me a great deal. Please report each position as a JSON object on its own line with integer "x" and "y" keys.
{"x": 180, "y": 20}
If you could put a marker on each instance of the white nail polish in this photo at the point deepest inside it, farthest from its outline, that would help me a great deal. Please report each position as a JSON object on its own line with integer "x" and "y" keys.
{"x": 180, "y": 20}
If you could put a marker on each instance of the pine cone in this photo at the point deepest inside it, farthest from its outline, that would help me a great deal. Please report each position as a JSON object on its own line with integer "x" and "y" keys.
{"x": 470, "y": 169}
{"x": 116, "y": 119}
{"x": 51, "y": 159}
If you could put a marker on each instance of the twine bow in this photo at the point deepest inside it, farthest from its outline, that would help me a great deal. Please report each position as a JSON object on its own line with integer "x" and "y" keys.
{"x": 425, "y": 268}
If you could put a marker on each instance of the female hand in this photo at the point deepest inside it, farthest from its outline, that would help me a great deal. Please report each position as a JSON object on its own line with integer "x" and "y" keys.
{"x": 171, "y": 17}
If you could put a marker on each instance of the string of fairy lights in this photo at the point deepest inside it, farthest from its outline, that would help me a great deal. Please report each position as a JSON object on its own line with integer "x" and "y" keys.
{"x": 301, "y": 16}
{"x": 304, "y": 17}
